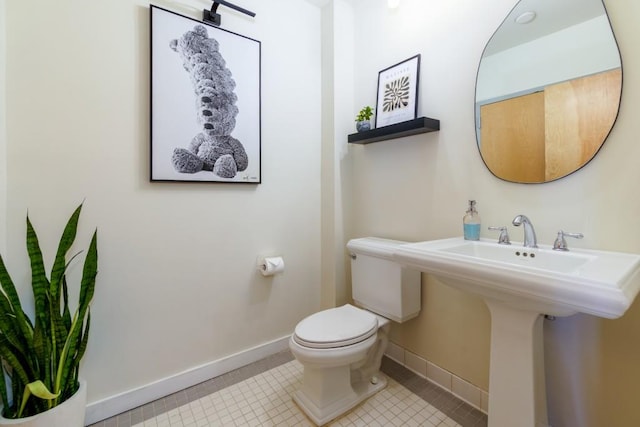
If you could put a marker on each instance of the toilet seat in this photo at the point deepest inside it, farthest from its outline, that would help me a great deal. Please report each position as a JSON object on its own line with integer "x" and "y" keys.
{"x": 336, "y": 327}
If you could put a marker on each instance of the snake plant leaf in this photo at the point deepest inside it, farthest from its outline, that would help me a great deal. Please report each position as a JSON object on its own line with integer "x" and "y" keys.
{"x": 14, "y": 360}
{"x": 39, "y": 281}
{"x": 3, "y": 394}
{"x": 59, "y": 331}
{"x": 60, "y": 322}
{"x": 38, "y": 389}
{"x": 9, "y": 328}
{"x": 87, "y": 289}
{"x": 68, "y": 358}
{"x": 66, "y": 361}
{"x": 66, "y": 314}
{"x": 89, "y": 273}
{"x": 85, "y": 337}
{"x": 16, "y": 385}
{"x": 42, "y": 346}
{"x": 39, "y": 344}
{"x": 60, "y": 265}
{"x": 9, "y": 290}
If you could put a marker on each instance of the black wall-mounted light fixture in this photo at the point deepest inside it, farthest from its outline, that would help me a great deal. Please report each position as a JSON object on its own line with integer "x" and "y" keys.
{"x": 213, "y": 16}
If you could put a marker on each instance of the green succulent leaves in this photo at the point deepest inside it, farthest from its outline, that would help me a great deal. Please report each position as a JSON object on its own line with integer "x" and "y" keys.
{"x": 41, "y": 356}
{"x": 364, "y": 114}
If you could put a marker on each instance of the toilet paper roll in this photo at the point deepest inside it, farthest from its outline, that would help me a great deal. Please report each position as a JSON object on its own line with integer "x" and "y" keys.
{"x": 269, "y": 266}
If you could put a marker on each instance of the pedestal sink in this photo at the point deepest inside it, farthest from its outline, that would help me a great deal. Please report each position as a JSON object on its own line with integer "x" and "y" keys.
{"x": 519, "y": 285}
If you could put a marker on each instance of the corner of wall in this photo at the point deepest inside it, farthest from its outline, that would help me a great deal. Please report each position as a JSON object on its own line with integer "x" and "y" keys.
{"x": 337, "y": 110}
{"x": 328, "y": 286}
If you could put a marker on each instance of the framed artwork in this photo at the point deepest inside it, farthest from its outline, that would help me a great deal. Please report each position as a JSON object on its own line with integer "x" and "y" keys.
{"x": 397, "y": 99}
{"x": 205, "y": 102}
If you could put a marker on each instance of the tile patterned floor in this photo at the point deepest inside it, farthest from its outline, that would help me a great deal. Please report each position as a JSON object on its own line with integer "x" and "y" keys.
{"x": 260, "y": 395}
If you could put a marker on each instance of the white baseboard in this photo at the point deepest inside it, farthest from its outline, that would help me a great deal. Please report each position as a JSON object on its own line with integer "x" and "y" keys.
{"x": 105, "y": 408}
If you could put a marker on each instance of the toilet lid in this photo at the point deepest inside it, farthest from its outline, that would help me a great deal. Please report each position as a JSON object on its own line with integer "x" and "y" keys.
{"x": 336, "y": 327}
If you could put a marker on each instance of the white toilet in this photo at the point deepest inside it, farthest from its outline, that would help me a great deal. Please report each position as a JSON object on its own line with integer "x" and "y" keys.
{"x": 341, "y": 348}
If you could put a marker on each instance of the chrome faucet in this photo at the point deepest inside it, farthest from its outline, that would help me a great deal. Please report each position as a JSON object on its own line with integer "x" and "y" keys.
{"x": 530, "y": 240}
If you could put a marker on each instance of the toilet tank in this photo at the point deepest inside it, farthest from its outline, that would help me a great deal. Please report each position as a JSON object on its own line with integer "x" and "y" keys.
{"x": 381, "y": 285}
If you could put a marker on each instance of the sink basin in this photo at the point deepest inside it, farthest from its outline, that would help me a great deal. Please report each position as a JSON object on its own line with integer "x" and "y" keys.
{"x": 550, "y": 282}
{"x": 519, "y": 284}
{"x": 559, "y": 262}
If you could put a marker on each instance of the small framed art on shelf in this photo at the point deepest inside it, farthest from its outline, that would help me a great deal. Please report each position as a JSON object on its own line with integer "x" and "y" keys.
{"x": 397, "y": 99}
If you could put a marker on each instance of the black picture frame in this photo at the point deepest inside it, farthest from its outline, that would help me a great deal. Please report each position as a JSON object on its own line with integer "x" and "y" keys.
{"x": 205, "y": 102}
{"x": 397, "y": 95}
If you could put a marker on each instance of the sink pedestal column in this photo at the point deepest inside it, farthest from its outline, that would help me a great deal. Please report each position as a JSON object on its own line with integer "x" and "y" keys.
{"x": 517, "y": 395}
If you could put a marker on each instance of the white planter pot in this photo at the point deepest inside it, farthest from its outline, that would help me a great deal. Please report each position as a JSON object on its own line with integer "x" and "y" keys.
{"x": 68, "y": 414}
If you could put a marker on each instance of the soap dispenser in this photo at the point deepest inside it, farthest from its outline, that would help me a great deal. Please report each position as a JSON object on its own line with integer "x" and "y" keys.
{"x": 471, "y": 222}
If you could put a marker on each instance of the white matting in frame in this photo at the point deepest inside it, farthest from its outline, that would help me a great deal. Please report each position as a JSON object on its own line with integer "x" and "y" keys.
{"x": 397, "y": 99}
{"x": 205, "y": 102}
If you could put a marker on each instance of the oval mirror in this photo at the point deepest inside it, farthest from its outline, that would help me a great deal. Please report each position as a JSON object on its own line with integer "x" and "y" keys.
{"x": 548, "y": 90}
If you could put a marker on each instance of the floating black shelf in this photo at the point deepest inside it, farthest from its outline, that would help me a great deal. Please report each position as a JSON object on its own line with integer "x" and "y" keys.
{"x": 398, "y": 130}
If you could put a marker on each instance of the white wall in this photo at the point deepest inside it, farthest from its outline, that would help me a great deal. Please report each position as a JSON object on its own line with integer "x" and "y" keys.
{"x": 417, "y": 188}
{"x": 177, "y": 284}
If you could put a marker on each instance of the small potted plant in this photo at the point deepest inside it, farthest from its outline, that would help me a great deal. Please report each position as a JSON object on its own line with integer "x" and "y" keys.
{"x": 40, "y": 356}
{"x": 363, "y": 119}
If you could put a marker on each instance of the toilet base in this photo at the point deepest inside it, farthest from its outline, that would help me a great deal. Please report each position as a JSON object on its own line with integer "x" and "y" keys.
{"x": 362, "y": 390}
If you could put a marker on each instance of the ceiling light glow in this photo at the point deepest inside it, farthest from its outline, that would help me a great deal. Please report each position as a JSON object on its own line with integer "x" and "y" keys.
{"x": 393, "y": 4}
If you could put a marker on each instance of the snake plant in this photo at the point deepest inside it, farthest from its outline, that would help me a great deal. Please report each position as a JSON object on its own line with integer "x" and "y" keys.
{"x": 41, "y": 356}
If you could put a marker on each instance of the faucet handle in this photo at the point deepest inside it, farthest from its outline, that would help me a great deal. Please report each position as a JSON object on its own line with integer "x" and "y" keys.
{"x": 503, "y": 238}
{"x": 560, "y": 244}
